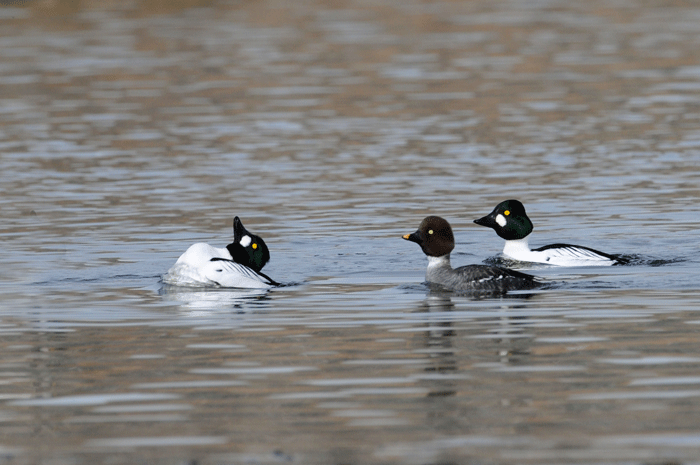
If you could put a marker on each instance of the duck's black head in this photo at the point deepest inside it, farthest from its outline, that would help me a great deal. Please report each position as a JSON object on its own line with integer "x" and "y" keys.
{"x": 508, "y": 219}
{"x": 434, "y": 236}
{"x": 248, "y": 249}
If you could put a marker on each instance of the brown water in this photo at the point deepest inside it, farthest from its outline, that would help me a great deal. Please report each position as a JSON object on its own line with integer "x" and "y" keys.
{"x": 130, "y": 130}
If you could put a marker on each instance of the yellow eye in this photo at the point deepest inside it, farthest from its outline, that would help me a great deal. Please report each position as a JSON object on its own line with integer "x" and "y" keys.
{"x": 430, "y": 231}
{"x": 255, "y": 246}
{"x": 507, "y": 212}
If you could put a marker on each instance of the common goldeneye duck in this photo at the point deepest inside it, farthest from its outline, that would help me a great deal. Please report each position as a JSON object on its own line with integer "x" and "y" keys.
{"x": 510, "y": 221}
{"x": 237, "y": 265}
{"x": 435, "y": 238}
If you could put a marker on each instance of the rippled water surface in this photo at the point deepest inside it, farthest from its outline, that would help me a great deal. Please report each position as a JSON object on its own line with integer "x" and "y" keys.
{"x": 130, "y": 130}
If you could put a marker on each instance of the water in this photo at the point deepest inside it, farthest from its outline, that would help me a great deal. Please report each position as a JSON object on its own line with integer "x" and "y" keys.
{"x": 129, "y": 132}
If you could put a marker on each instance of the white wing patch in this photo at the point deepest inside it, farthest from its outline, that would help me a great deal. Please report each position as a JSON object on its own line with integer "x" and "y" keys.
{"x": 245, "y": 241}
{"x": 231, "y": 274}
{"x": 575, "y": 252}
{"x": 490, "y": 278}
{"x": 227, "y": 266}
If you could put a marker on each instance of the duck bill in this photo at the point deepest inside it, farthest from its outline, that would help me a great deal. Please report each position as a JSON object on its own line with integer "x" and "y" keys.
{"x": 238, "y": 230}
{"x": 487, "y": 221}
{"x": 413, "y": 237}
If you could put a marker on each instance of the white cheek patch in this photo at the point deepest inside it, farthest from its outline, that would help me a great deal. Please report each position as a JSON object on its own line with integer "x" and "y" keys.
{"x": 501, "y": 220}
{"x": 245, "y": 241}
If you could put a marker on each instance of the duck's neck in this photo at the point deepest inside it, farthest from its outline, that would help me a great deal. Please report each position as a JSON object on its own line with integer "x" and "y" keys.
{"x": 517, "y": 247}
{"x": 435, "y": 264}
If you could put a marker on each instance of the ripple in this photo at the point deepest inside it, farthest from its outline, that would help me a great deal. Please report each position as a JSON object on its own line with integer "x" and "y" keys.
{"x": 92, "y": 399}
{"x": 156, "y": 441}
{"x": 251, "y": 371}
{"x": 649, "y": 360}
{"x": 678, "y": 394}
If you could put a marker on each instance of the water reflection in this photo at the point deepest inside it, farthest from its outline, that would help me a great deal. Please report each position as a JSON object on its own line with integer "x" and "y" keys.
{"x": 440, "y": 350}
{"x": 197, "y": 300}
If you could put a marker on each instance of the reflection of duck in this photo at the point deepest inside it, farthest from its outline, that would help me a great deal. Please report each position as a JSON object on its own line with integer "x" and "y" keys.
{"x": 510, "y": 222}
{"x": 199, "y": 299}
{"x": 440, "y": 352}
{"x": 237, "y": 265}
{"x": 434, "y": 235}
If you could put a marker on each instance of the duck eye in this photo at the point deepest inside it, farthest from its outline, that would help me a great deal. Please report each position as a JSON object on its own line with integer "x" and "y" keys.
{"x": 507, "y": 212}
{"x": 430, "y": 231}
{"x": 254, "y": 246}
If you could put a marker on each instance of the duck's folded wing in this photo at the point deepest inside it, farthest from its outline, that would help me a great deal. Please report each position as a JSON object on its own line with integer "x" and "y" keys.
{"x": 578, "y": 252}
{"x": 227, "y": 273}
{"x": 484, "y": 277}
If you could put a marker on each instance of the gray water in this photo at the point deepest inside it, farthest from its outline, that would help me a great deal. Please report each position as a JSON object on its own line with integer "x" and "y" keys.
{"x": 130, "y": 130}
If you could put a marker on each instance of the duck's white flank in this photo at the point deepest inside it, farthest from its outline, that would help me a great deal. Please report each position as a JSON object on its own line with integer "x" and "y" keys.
{"x": 519, "y": 249}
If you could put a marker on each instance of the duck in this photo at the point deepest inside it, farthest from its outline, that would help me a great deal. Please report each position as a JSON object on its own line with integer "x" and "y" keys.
{"x": 510, "y": 221}
{"x": 237, "y": 265}
{"x": 436, "y": 240}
